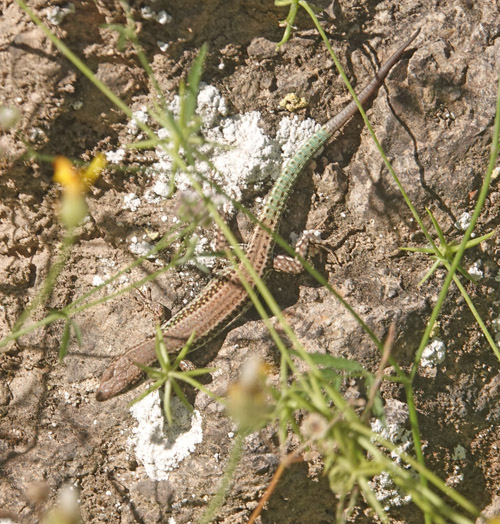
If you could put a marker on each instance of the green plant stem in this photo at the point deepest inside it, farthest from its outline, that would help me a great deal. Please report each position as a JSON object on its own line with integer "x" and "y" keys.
{"x": 414, "y": 419}
{"x": 218, "y": 499}
{"x": 476, "y": 314}
{"x": 461, "y": 249}
{"x": 49, "y": 283}
{"x": 388, "y": 165}
{"x": 81, "y": 66}
{"x": 367, "y": 443}
{"x": 74, "y": 308}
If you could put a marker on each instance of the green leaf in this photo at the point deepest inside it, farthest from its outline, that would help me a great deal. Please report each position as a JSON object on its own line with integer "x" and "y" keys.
{"x": 322, "y": 359}
{"x": 334, "y": 379}
{"x": 476, "y": 241}
{"x": 182, "y": 397}
{"x": 439, "y": 231}
{"x": 63, "y": 348}
{"x": 167, "y": 408}
{"x": 429, "y": 273}
{"x": 193, "y": 84}
{"x": 161, "y": 351}
{"x": 185, "y": 349}
{"x": 77, "y": 332}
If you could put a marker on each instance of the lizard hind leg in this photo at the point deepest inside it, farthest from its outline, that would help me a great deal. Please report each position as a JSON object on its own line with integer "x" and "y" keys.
{"x": 292, "y": 265}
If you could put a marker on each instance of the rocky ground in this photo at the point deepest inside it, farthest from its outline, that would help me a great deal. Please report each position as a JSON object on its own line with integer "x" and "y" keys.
{"x": 434, "y": 118}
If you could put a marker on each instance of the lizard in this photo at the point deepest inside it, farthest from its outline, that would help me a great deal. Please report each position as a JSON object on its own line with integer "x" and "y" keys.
{"x": 225, "y": 298}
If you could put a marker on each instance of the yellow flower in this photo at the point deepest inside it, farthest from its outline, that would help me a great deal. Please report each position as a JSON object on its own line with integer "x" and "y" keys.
{"x": 249, "y": 400}
{"x": 76, "y": 182}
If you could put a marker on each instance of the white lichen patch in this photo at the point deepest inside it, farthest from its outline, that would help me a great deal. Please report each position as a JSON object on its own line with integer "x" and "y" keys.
{"x": 162, "y": 45}
{"x": 495, "y": 324}
{"x": 456, "y": 477}
{"x": 433, "y": 354}
{"x": 115, "y": 157}
{"x": 463, "y": 221}
{"x": 241, "y": 157}
{"x": 141, "y": 115}
{"x": 140, "y": 247}
{"x": 131, "y": 201}
{"x": 55, "y": 15}
{"x": 475, "y": 270}
{"x": 240, "y": 153}
{"x": 211, "y": 105}
{"x": 104, "y": 275}
{"x": 387, "y": 492}
{"x": 292, "y": 132}
{"x": 395, "y": 431}
{"x": 459, "y": 453}
{"x": 159, "y": 447}
{"x": 98, "y": 280}
{"x": 202, "y": 260}
{"x": 162, "y": 17}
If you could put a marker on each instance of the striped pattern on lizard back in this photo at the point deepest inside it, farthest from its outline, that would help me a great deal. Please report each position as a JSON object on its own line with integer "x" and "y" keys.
{"x": 225, "y": 298}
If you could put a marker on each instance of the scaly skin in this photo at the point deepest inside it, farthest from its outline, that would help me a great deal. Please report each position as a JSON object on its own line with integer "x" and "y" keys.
{"x": 225, "y": 298}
